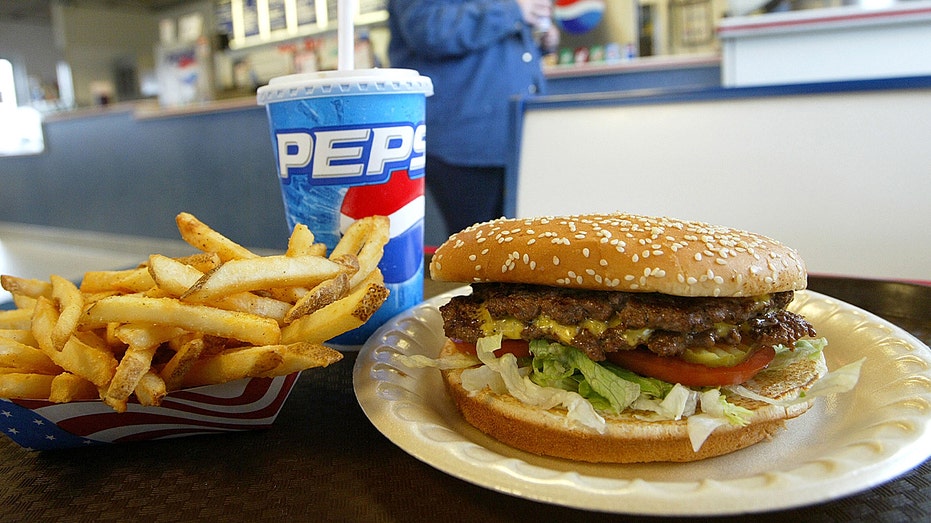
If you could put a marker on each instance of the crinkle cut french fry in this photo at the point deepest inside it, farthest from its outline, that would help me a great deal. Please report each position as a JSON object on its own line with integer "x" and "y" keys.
{"x": 267, "y": 272}
{"x": 340, "y": 316}
{"x": 199, "y": 235}
{"x": 242, "y": 326}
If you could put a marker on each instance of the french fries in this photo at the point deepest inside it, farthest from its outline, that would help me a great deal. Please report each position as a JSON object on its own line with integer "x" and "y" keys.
{"x": 221, "y": 314}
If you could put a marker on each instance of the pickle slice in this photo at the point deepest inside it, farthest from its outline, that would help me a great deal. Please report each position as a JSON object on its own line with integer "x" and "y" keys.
{"x": 723, "y": 356}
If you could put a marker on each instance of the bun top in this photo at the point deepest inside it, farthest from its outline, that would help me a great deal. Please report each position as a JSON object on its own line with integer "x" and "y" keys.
{"x": 620, "y": 252}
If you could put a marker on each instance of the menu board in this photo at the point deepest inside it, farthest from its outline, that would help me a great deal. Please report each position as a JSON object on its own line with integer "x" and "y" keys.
{"x": 223, "y": 14}
{"x": 277, "y": 15}
{"x": 306, "y": 12}
{"x": 250, "y": 18}
{"x": 256, "y": 22}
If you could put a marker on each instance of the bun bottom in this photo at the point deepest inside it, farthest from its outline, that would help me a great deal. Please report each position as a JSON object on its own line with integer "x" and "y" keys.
{"x": 626, "y": 439}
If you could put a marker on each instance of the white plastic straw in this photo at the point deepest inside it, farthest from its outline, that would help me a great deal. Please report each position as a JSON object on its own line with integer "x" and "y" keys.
{"x": 346, "y": 40}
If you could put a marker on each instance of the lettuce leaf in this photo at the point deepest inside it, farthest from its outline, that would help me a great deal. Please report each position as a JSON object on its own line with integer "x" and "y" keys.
{"x": 419, "y": 361}
{"x": 521, "y": 387}
{"x": 554, "y": 365}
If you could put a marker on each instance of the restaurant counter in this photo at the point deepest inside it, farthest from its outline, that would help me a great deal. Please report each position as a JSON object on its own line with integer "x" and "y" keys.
{"x": 323, "y": 459}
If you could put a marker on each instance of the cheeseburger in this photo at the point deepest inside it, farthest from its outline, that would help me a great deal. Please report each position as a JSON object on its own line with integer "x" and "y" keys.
{"x": 622, "y": 338}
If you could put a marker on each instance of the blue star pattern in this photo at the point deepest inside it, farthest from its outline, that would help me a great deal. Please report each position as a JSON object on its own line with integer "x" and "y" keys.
{"x": 33, "y": 432}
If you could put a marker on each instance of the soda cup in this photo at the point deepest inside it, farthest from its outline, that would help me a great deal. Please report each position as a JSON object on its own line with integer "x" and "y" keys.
{"x": 350, "y": 144}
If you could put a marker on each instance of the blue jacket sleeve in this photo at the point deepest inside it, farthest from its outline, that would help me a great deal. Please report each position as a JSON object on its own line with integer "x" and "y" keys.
{"x": 440, "y": 29}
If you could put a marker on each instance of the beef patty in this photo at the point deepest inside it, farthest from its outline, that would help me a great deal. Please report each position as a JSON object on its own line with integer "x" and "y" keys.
{"x": 675, "y": 323}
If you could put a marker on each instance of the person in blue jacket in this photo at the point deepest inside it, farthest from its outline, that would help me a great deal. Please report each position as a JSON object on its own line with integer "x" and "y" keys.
{"x": 478, "y": 53}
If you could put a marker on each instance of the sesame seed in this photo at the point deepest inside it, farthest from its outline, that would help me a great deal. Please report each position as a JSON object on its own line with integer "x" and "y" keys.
{"x": 555, "y": 260}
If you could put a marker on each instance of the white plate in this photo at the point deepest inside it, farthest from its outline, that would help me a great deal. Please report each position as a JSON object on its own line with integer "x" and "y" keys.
{"x": 845, "y": 444}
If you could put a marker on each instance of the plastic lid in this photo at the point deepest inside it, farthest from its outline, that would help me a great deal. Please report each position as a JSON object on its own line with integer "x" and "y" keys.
{"x": 337, "y": 83}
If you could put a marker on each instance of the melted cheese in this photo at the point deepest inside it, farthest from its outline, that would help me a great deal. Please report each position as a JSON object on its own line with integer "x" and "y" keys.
{"x": 511, "y": 328}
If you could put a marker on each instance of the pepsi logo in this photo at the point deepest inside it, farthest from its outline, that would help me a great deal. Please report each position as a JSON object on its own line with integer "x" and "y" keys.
{"x": 351, "y": 155}
{"x": 578, "y": 16}
{"x": 401, "y": 199}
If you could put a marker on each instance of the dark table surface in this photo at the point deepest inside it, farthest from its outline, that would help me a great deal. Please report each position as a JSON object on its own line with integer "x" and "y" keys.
{"x": 324, "y": 460}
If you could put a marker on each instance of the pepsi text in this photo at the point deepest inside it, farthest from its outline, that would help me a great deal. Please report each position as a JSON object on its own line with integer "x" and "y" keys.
{"x": 354, "y": 155}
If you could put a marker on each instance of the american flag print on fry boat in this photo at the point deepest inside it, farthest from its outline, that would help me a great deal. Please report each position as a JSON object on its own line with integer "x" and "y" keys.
{"x": 245, "y": 404}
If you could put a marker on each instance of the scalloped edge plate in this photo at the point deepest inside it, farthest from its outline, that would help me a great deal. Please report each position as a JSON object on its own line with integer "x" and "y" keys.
{"x": 845, "y": 444}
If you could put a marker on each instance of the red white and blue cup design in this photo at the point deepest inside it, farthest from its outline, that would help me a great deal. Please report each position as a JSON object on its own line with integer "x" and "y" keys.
{"x": 351, "y": 144}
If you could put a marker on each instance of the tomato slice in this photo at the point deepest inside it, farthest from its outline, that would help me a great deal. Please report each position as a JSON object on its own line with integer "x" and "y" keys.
{"x": 519, "y": 348}
{"x": 677, "y": 370}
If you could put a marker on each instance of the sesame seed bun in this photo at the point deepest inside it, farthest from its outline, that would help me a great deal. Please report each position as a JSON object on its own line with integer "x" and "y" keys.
{"x": 627, "y": 439}
{"x": 620, "y": 252}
